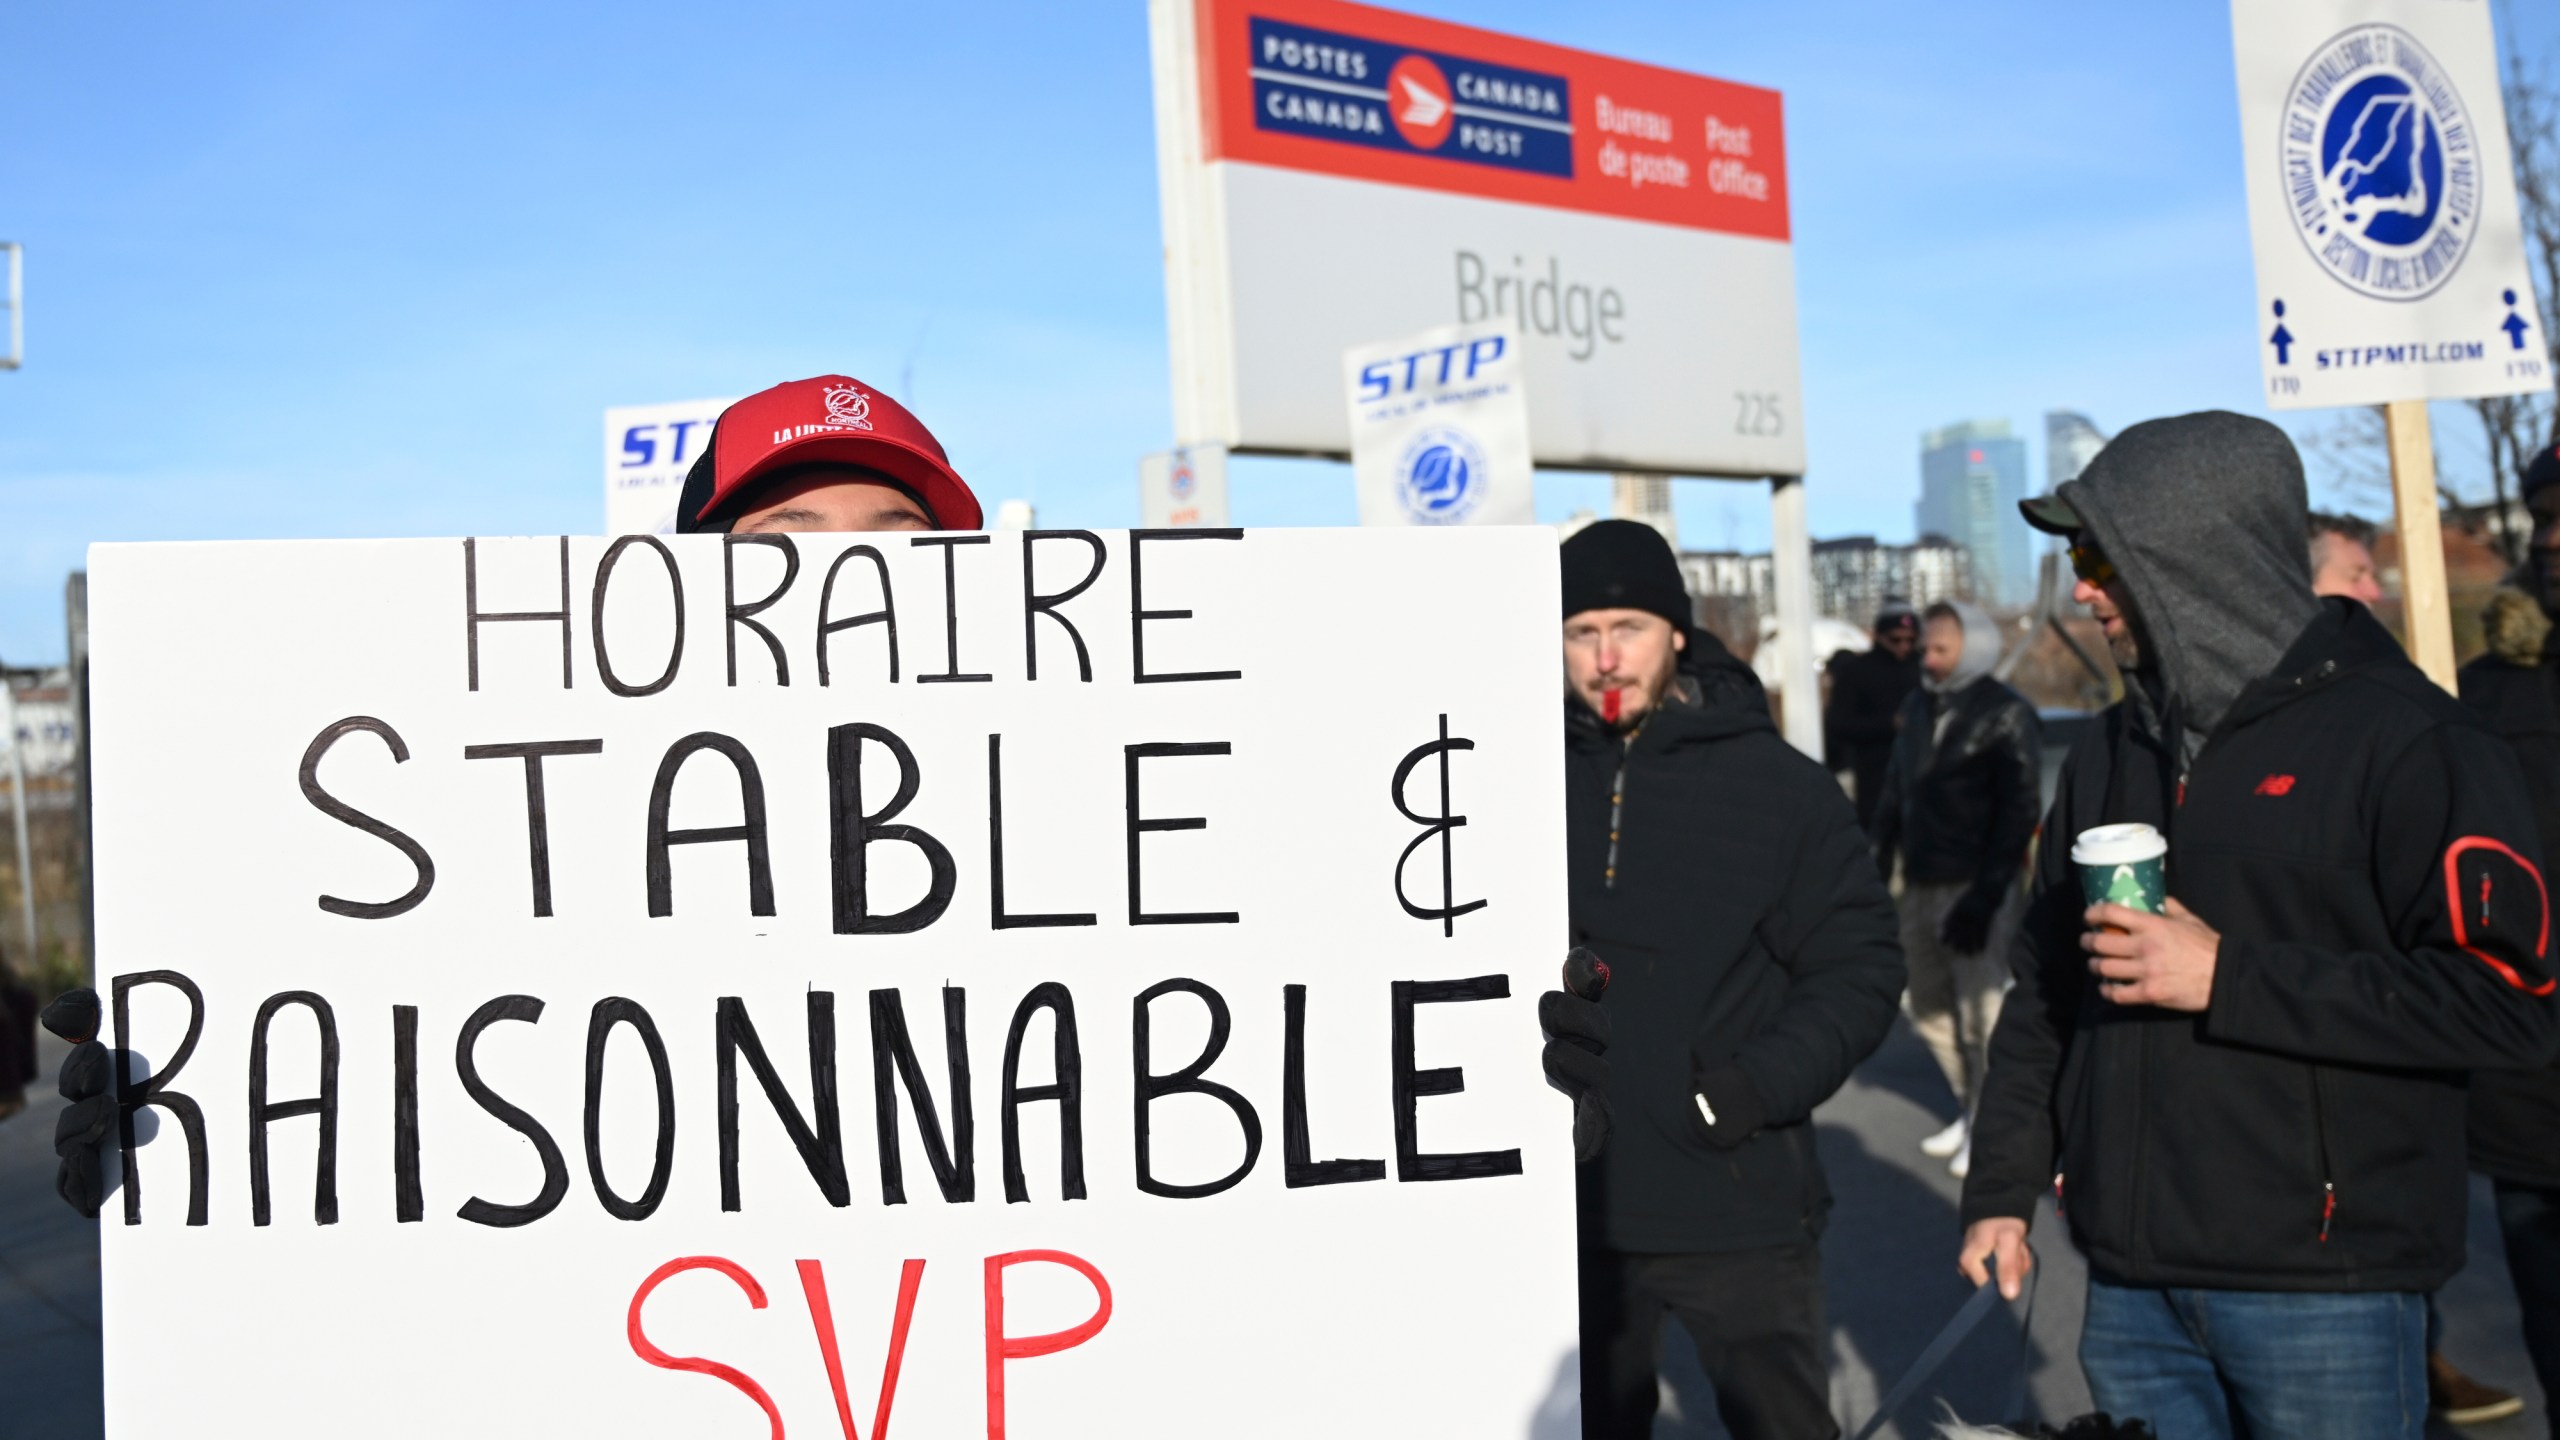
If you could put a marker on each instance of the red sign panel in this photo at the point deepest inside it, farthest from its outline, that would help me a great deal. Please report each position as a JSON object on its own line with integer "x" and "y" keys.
{"x": 1343, "y": 89}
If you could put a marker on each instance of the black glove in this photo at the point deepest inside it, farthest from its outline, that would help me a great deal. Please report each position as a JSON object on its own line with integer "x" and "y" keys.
{"x": 80, "y": 1134}
{"x": 1967, "y": 927}
{"x": 1725, "y": 1108}
{"x": 1577, "y": 1047}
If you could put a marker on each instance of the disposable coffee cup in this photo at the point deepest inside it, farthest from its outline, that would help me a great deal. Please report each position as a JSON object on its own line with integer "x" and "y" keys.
{"x": 2123, "y": 865}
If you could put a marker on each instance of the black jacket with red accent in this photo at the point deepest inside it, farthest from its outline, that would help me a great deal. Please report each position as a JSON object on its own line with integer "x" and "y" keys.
{"x": 2369, "y": 857}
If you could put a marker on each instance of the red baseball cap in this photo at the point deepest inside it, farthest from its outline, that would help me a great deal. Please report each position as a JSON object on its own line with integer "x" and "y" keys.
{"x": 825, "y": 419}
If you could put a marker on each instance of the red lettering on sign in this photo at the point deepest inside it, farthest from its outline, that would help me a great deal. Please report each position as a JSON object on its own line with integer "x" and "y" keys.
{"x": 1002, "y": 1347}
{"x": 813, "y": 1283}
{"x": 641, "y": 1347}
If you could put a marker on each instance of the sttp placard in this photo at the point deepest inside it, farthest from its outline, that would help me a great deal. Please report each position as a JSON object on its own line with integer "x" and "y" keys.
{"x": 647, "y": 450}
{"x": 2382, "y": 207}
{"x": 708, "y": 986}
{"x": 1333, "y": 173}
{"x": 1440, "y": 428}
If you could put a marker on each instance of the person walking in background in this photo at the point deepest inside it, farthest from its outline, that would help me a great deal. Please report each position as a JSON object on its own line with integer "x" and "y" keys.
{"x": 2342, "y": 558}
{"x": 2249, "y": 1108}
{"x": 1722, "y": 878}
{"x": 1958, "y": 807}
{"x": 1867, "y": 691}
{"x": 2515, "y": 1115}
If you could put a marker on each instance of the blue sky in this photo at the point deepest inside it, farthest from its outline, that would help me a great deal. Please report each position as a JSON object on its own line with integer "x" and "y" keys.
{"x": 376, "y": 270}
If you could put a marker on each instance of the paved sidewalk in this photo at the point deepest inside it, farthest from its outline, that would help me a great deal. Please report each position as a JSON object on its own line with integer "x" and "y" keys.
{"x": 48, "y": 1281}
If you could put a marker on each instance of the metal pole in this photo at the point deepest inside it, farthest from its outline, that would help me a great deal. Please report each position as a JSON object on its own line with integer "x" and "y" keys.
{"x": 1791, "y": 574}
{"x": 18, "y": 812}
{"x": 2426, "y": 610}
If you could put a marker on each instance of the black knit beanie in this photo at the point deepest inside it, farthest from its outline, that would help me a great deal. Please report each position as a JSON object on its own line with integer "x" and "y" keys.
{"x": 1623, "y": 565}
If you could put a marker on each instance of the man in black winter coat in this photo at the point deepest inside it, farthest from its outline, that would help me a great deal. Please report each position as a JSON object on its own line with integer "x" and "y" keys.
{"x": 1723, "y": 879}
{"x": 1867, "y": 691}
{"x": 2515, "y": 1115}
{"x": 2250, "y": 1109}
{"x": 1958, "y": 810}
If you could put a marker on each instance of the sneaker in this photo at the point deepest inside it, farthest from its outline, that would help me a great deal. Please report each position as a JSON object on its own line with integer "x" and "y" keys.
{"x": 2462, "y": 1400}
{"x": 1962, "y": 1165}
{"x": 1946, "y": 1142}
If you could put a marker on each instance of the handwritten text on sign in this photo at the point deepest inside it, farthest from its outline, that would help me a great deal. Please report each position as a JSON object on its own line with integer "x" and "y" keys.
{"x": 499, "y": 933}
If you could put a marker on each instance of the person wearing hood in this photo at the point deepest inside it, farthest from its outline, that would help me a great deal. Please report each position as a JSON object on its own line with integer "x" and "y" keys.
{"x": 1723, "y": 880}
{"x": 2514, "y": 1127}
{"x": 2249, "y": 1109}
{"x": 1958, "y": 810}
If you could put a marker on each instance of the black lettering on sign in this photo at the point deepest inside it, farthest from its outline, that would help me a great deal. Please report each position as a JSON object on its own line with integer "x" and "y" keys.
{"x": 473, "y": 616}
{"x": 955, "y": 1159}
{"x": 408, "y": 1198}
{"x": 611, "y": 1011}
{"x": 555, "y": 1171}
{"x": 1139, "y": 614}
{"x": 133, "y": 1095}
{"x": 1442, "y": 825}
{"x": 1409, "y": 1084}
{"x": 537, "y": 813}
{"x": 1297, "y": 1149}
{"x": 995, "y": 855}
{"x": 1035, "y": 604}
{"x": 851, "y": 834}
{"x": 604, "y": 579}
{"x": 1186, "y": 1081}
{"x": 950, "y": 605}
{"x": 324, "y": 1203}
{"x": 750, "y": 827}
{"x": 745, "y": 614}
{"x": 1140, "y": 825}
{"x": 339, "y": 810}
{"x": 821, "y": 1146}
{"x": 1066, "y": 1068}
{"x": 885, "y": 617}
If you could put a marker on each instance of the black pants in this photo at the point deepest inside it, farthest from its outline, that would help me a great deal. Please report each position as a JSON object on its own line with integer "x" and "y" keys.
{"x": 2529, "y": 1222}
{"x": 1756, "y": 1316}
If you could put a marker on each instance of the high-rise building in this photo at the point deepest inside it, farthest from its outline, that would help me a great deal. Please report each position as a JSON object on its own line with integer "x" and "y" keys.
{"x": 1854, "y": 576}
{"x": 1972, "y": 476}
{"x": 2071, "y": 441}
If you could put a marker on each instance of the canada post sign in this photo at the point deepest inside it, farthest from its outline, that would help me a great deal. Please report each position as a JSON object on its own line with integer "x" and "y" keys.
{"x": 1335, "y": 176}
{"x": 1360, "y": 92}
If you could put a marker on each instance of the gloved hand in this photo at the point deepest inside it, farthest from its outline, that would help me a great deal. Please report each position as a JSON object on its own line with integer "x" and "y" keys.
{"x": 1967, "y": 927}
{"x": 1577, "y": 1045}
{"x": 81, "y": 1132}
{"x": 1725, "y": 1108}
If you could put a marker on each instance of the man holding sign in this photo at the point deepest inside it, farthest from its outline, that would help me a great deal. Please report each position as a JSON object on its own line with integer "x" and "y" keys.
{"x": 2246, "y": 1093}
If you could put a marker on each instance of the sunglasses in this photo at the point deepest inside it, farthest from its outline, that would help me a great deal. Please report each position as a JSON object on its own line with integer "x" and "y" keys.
{"x": 2091, "y": 565}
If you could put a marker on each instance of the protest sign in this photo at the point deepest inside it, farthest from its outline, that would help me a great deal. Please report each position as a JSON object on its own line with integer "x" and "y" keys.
{"x": 1180, "y": 489}
{"x": 2382, "y": 204}
{"x": 647, "y": 450}
{"x": 1440, "y": 428}
{"x": 1040, "y": 984}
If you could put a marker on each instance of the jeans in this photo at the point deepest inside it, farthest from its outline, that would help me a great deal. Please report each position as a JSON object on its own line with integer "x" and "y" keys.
{"x": 1756, "y": 1316}
{"x": 2214, "y": 1364}
{"x": 2529, "y": 1221}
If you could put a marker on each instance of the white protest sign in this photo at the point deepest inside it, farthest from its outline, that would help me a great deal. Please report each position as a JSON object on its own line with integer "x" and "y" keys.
{"x": 1178, "y": 489}
{"x": 651, "y": 989}
{"x": 1440, "y": 428}
{"x": 2382, "y": 204}
{"x": 647, "y": 450}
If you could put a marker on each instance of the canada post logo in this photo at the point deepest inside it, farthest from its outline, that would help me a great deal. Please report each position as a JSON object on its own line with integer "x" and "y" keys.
{"x": 1328, "y": 86}
{"x": 2380, "y": 169}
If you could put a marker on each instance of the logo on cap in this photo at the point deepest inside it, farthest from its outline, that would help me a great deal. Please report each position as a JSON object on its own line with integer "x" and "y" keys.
{"x": 848, "y": 407}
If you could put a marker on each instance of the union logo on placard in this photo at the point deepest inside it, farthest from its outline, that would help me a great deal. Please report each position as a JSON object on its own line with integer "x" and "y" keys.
{"x": 2380, "y": 169}
{"x": 1441, "y": 476}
